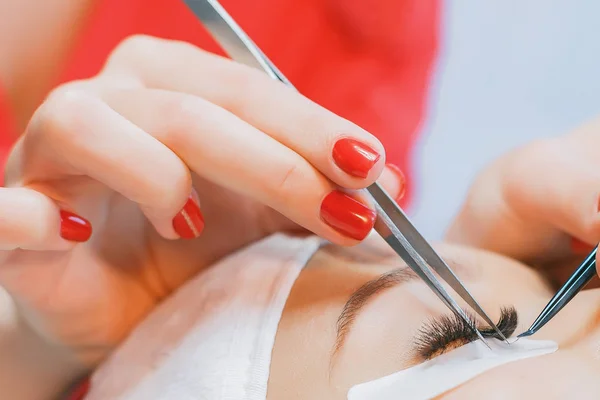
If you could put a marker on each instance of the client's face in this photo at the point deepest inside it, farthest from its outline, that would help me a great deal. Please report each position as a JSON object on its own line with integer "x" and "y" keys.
{"x": 355, "y": 315}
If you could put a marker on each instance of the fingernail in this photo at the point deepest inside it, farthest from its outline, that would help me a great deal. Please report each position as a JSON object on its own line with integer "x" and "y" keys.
{"x": 73, "y": 227}
{"x": 354, "y": 158}
{"x": 189, "y": 222}
{"x": 347, "y": 215}
{"x": 580, "y": 247}
{"x": 401, "y": 181}
{"x": 80, "y": 391}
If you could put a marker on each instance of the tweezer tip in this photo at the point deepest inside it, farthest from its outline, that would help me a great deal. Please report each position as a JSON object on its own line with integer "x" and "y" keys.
{"x": 499, "y": 332}
{"x": 486, "y": 344}
{"x": 525, "y": 334}
{"x": 480, "y": 336}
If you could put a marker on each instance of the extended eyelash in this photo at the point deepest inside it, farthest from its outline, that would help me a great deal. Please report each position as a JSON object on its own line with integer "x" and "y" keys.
{"x": 439, "y": 334}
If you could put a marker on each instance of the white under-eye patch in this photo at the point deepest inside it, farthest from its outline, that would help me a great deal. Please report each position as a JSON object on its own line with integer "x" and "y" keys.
{"x": 448, "y": 371}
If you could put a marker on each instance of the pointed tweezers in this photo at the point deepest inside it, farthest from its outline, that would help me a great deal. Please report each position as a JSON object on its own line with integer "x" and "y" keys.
{"x": 392, "y": 224}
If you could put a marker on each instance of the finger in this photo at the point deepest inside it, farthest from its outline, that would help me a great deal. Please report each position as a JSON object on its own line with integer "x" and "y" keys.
{"x": 530, "y": 203}
{"x": 226, "y": 150}
{"x": 580, "y": 247}
{"x": 393, "y": 181}
{"x": 557, "y": 181}
{"x": 342, "y": 151}
{"x": 31, "y": 221}
{"x": 76, "y": 134}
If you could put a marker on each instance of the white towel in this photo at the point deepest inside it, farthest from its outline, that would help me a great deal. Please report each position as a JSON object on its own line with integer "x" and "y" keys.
{"x": 213, "y": 338}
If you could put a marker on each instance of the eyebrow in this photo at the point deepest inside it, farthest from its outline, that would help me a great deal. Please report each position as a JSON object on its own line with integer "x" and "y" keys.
{"x": 359, "y": 299}
{"x": 362, "y": 295}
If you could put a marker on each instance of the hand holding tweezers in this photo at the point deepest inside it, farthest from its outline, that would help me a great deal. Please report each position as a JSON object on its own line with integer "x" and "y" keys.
{"x": 575, "y": 284}
{"x": 392, "y": 224}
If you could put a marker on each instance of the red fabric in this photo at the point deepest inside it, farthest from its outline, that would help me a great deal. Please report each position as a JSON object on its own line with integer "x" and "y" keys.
{"x": 367, "y": 61}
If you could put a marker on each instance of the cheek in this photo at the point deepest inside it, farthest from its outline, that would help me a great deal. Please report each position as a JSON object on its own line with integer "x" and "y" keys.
{"x": 563, "y": 375}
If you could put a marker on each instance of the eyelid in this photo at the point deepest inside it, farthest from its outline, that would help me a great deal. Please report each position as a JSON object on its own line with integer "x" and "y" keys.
{"x": 364, "y": 294}
{"x": 367, "y": 291}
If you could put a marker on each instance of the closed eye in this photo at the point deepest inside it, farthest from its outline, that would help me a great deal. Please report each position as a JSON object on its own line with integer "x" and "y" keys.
{"x": 442, "y": 334}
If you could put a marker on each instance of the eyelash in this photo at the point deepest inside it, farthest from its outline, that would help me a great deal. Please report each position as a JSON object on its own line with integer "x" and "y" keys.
{"x": 437, "y": 336}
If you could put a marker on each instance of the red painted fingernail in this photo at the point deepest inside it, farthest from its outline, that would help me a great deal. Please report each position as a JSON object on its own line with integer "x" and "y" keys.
{"x": 189, "y": 222}
{"x": 73, "y": 227}
{"x": 80, "y": 391}
{"x": 347, "y": 215}
{"x": 354, "y": 158}
{"x": 578, "y": 246}
{"x": 401, "y": 181}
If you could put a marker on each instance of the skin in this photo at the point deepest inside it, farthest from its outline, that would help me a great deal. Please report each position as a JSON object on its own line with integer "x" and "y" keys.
{"x": 538, "y": 201}
{"x": 66, "y": 159}
{"x": 380, "y": 341}
{"x": 125, "y": 149}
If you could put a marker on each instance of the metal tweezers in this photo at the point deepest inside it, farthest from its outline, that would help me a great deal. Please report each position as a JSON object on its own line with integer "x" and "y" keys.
{"x": 392, "y": 224}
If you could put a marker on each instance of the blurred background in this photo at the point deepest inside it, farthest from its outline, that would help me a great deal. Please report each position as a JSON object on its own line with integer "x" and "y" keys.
{"x": 508, "y": 72}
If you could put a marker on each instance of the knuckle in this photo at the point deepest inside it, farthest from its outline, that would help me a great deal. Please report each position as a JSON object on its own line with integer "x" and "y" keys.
{"x": 248, "y": 83}
{"x": 535, "y": 154}
{"x": 141, "y": 49}
{"x": 137, "y": 45}
{"x": 186, "y": 47}
{"x": 186, "y": 113}
{"x": 244, "y": 77}
{"x": 61, "y": 114}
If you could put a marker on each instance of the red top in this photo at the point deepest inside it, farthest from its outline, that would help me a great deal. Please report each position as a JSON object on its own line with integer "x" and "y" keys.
{"x": 368, "y": 61}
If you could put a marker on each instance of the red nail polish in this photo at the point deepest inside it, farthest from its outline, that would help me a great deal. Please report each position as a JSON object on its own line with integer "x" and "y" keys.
{"x": 189, "y": 222}
{"x": 354, "y": 157}
{"x": 347, "y": 215}
{"x": 73, "y": 227}
{"x": 401, "y": 181}
{"x": 80, "y": 391}
{"x": 580, "y": 247}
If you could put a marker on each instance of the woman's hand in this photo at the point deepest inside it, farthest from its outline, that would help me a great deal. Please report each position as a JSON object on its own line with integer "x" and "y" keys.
{"x": 166, "y": 130}
{"x": 539, "y": 204}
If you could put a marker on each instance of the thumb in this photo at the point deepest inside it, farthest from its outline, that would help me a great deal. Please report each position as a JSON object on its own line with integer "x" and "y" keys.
{"x": 393, "y": 181}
